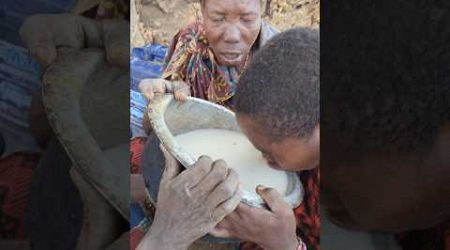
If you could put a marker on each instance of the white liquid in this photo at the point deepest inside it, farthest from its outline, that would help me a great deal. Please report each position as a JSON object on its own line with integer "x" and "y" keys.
{"x": 238, "y": 153}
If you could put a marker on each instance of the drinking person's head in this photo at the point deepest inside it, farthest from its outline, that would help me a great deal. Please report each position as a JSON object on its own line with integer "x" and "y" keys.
{"x": 232, "y": 27}
{"x": 278, "y": 100}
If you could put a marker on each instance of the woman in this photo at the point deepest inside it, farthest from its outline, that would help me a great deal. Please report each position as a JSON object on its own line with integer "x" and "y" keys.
{"x": 205, "y": 60}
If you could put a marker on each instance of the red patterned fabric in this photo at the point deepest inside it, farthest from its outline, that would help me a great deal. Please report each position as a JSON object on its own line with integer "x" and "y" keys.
{"x": 308, "y": 213}
{"x": 136, "y": 236}
{"x": 16, "y": 172}
{"x": 136, "y": 147}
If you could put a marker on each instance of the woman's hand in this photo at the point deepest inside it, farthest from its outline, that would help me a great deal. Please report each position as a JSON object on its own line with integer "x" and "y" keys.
{"x": 150, "y": 87}
{"x": 272, "y": 230}
{"x": 191, "y": 203}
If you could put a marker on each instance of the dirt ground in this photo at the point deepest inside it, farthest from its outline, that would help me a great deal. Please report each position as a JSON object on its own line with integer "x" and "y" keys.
{"x": 158, "y": 20}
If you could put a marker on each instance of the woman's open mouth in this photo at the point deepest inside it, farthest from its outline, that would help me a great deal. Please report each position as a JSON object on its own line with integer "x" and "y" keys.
{"x": 231, "y": 56}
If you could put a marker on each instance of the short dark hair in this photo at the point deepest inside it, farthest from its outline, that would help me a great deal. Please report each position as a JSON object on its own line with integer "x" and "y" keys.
{"x": 280, "y": 89}
{"x": 384, "y": 117}
{"x": 386, "y": 88}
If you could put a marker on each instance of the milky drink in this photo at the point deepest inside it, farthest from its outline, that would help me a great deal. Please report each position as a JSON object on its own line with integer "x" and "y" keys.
{"x": 238, "y": 153}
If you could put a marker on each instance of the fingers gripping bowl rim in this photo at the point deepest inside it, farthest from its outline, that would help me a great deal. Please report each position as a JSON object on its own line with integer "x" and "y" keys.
{"x": 169, "y": 118}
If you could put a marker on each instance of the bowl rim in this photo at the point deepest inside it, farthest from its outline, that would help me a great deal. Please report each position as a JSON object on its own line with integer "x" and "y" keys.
{"x": 156, "y": 111}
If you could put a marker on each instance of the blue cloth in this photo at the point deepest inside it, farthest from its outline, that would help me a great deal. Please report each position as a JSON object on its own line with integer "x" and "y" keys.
{"x": 136, "y": 215}
{"x": 146, "y": 62}
{"x": 19, "y": 79}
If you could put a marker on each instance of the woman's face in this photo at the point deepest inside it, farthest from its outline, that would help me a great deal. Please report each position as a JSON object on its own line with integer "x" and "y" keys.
{"x": 232, "y": 27}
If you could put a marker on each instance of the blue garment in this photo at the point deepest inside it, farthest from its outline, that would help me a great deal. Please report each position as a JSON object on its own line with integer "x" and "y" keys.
{"x": 136, "y": 214}
{"x": 19, "y": 79}
{"x": 146, "y": 62}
